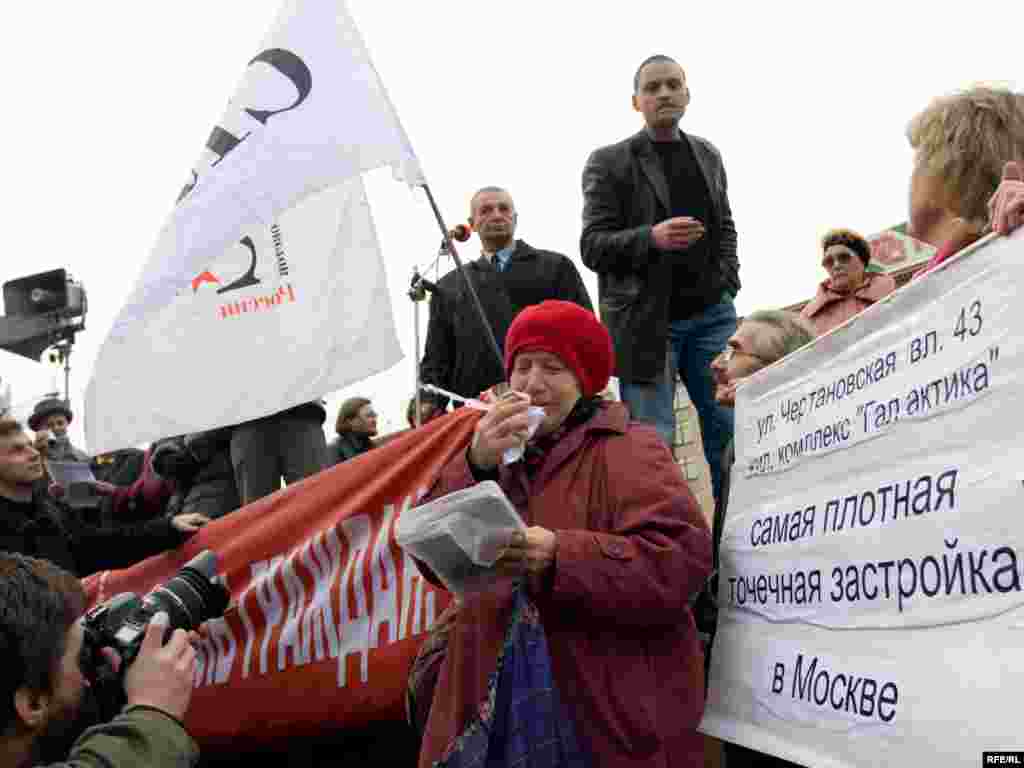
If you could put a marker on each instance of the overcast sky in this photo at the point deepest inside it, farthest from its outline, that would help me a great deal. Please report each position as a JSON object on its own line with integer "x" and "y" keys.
{"x": 108, "y": 105}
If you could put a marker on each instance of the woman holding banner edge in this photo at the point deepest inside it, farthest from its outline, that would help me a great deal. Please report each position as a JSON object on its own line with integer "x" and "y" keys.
{"x": 588, "y": 655}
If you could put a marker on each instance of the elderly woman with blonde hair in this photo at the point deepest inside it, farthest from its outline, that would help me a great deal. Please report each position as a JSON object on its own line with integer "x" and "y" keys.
{"x": 967, "y": 178}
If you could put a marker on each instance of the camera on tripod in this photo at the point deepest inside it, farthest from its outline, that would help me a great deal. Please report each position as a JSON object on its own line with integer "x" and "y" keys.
{"x": 189, "y": 598}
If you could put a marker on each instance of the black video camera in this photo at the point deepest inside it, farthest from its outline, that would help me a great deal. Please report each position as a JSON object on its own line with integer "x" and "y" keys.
{"x": 189, "y": 598}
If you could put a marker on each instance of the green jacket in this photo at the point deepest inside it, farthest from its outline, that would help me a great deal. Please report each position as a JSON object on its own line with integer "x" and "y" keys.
{"x": 140, "y": 737}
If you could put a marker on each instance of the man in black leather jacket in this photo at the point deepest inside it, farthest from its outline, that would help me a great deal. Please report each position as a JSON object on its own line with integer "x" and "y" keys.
{"x": 658, "y": 231}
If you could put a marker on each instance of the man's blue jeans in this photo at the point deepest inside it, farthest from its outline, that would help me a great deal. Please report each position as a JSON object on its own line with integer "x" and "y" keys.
{"x": 693, "y": 344}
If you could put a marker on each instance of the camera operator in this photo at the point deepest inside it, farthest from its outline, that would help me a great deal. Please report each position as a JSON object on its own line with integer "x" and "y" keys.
{"x": 50, "y": 420}
{"x": 44, "y": 691}
{"x": 33, "y": 523}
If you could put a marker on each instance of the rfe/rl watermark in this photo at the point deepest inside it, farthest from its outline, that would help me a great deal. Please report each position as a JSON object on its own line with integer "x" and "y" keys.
{"x": 1003, "y": 757}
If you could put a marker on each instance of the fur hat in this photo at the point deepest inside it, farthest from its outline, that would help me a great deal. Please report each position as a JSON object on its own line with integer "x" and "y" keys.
{"x": 571, "y": 333}
{"x": 45, "y": 409}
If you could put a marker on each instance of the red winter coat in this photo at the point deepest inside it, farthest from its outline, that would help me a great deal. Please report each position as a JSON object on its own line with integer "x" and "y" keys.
{"x": 633, "y": 548}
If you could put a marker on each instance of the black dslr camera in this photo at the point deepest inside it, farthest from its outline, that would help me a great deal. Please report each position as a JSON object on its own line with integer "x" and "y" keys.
{"x": 189, "y": 598}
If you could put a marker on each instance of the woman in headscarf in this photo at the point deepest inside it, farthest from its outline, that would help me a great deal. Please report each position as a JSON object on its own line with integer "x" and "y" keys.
{"x": 588, "y": 654}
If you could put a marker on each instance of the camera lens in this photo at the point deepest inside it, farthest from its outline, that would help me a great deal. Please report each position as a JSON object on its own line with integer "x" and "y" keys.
{"x": 192, "y": 596}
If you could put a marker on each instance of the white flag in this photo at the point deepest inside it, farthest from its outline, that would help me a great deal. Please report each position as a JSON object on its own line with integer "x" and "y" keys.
{"x": 266, "y": 286}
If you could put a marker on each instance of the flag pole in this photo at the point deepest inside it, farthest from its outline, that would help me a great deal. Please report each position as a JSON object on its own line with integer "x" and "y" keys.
{"x": 465, "y": 276}
{"x": 417, "y": 292}
{"x": 419, "y": 399}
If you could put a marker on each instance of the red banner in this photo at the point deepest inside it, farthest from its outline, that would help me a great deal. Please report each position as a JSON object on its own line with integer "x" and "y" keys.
{"x": 327, "y": 612}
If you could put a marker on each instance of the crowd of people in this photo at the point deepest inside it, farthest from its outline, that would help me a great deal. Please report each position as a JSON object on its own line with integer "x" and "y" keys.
{"x": 593, "y": 651}
{"x": 206, "y": 474}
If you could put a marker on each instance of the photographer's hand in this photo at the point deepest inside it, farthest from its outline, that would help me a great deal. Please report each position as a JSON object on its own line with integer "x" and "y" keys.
{"x": 161, "y": 675}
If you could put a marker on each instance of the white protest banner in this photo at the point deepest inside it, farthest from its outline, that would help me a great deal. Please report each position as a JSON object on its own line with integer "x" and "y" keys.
{"x": 870, "y": 601}
{"x": 266, "y": 287}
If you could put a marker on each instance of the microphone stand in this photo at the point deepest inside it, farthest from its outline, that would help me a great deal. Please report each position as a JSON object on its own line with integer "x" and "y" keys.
{"x": 465, "y": 276}
{"x": 62, "y": 354}
{"x": 418, "y": 292}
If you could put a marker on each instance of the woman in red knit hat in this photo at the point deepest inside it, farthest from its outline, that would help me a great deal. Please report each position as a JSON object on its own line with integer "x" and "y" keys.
{"x": 588, "y": 654}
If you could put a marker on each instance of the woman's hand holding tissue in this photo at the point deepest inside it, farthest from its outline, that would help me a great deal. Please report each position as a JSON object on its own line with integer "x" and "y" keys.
{"x": 504, "y": 426}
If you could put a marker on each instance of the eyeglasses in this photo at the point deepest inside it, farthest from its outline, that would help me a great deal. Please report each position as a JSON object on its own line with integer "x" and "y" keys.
{"x": 727, "y": 354}
{"x": 840, "y": 258}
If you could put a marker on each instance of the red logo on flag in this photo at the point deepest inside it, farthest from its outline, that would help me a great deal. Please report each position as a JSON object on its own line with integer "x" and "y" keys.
{"x": 204, "y": 277}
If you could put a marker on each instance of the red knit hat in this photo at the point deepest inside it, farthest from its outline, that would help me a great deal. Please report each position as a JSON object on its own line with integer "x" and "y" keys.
{"x": 571, "y": 333}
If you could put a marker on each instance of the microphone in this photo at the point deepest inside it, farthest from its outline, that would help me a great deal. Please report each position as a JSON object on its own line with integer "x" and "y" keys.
{"x": 461, "y": 233}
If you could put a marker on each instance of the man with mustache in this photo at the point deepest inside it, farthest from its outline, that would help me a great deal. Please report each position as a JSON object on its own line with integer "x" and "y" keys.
{"x": 658, "y": 231}
{"x": 849, "y": 289}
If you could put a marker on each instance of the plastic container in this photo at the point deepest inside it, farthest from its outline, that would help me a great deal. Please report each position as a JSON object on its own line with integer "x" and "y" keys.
{"x": 460, "y": 536}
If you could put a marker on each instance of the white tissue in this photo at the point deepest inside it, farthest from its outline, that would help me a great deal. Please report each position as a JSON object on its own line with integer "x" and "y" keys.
{"x": 535, "y": 415}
